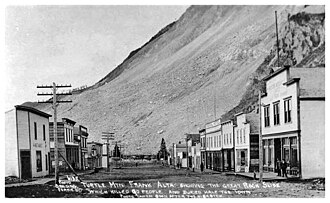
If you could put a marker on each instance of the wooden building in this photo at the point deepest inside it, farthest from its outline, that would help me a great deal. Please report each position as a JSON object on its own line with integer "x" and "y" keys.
{"x": 68, "y": 147}
{"x": 26, "y": 142}
{"x": 293, "y": 121}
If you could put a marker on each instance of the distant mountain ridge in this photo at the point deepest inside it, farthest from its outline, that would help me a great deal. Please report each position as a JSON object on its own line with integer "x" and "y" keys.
{"x": 212, "y": 57}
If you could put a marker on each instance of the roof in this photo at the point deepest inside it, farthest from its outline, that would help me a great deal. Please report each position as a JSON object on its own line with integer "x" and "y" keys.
{"x": 78, "y": 131}
{"x": 276, "y": 72}
{"x": 69, "y": 120}
{"x": 93, "y": 142}
{"x": 32, "y": 110}
{"x": 312, "y": 81}
{"x": 180, "y": 145}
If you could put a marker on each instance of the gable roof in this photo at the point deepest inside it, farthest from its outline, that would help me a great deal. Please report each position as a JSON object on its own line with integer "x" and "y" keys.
{"x": 32, "y": 110}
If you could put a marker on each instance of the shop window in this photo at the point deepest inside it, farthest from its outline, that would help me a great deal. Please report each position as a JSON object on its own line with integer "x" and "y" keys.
{"x": 39, "y": 161}
{"x": 244, "y": 136}
{"x": 294, "y": 157}
{"x": 287, "y": 110}
{"x": 276, "y": 113}
{"x": 264, "y": 156}
{"x": 266, "y": 116}
{"x": 286, "y": 153}
{"x": 242, "y": 158}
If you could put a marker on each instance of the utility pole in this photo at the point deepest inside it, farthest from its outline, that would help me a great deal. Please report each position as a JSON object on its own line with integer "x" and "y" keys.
{"x": 260, "y": 142}
{"x": 214, "y": 102}
{"x": 108, "y": 136}
{"x": 55, "y": 103}
{"x": 278, "y": 51}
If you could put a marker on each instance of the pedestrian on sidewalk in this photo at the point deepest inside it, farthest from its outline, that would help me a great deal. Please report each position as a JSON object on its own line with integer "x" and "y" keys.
{"x": 202, "y": 167}
{"x": 278, "y": 167}
{"x": 284, "y": 166}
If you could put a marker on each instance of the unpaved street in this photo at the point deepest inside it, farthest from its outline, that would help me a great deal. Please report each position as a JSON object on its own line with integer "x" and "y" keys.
{"x": 155, "y": 181}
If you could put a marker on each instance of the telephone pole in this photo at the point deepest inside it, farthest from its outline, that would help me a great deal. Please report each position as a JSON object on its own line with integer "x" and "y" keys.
{"x": 278, "y": 48}
{"x": 260, "y": 142}
{"x": 108, "y": 136}
{"x": 55, "y": 103}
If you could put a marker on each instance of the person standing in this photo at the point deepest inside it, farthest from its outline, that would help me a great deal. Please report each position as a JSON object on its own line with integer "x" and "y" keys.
{"x": 278, "y": 167}
{"x": 284, "y": 166}
{"x": 202, "y": 167}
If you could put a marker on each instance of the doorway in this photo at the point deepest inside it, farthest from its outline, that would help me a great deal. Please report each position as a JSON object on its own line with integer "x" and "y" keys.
{"x": 277, "y": 145}
{"x": 26, "y": 164}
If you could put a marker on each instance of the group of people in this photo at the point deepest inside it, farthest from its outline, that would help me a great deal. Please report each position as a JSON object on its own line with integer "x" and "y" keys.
{"x": 281, "y": 167}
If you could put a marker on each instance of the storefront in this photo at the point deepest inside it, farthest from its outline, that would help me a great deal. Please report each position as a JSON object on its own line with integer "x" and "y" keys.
{"x": 228, "y": 158}
{"x": 281, "y": 148}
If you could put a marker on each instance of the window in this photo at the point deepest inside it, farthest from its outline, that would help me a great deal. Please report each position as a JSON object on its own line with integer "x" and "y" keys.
{"x": 229, "y": 138}
{"x": 287, "y": 110}
{"x": 276, "y": 113}
{"x": 39, "y": 162}
{"x": 244, "y": 135}
{"x": 44, "y": 131}
{"x": 46, "y": 162}
{"x": 240, "y": 136}
{"x": 237, "y": 137}
{"x": 35, "y": 131}
{"x": 66, "y": 134}
{"x": 266, "y": 115}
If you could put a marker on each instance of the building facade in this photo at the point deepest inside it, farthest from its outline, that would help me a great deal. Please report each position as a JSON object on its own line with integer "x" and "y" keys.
{"x": 246, "y": 142}
{"x": 26, "y": 142}
{"x": 228, "y": 145}
{"x": 193, "y": 157}
{"x": 81, "y": 136}
{"x": 293, "y": 121}
{"x": 67, "y": 144}
{"x": 180, "y": 155}
{"x": 95, "y": 151}
{"x": 213, "y": 139}
{"x": 202, "y": 134}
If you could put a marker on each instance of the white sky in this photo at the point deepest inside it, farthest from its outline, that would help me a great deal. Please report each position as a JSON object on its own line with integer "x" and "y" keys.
{"x": 75, "y": 45}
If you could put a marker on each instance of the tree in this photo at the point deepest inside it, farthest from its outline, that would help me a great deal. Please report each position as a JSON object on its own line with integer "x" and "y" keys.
{"x": 162, "y": 153}
{"x": 116, "y": 152}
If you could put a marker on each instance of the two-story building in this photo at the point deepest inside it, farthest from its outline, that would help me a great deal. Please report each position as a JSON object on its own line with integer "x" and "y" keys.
{"x": 81, "y": 136}
{"x": 293, "y": 120}
{"x": 192, "y": 141}
{"x": 180, "y": 155}
{"x": 246, "y": 142}
{"x": 228, "y": 145}
{"x": 202, "y": 134}
{"x": 26, "y": 142}
{"x": 68, "y": 147}
{"x": 214, "y": 145}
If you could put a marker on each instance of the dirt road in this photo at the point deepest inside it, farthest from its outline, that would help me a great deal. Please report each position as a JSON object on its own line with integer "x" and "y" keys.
{"x": 154, "y": 181}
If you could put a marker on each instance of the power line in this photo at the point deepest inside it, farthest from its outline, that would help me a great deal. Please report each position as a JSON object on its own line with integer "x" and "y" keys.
{"x": 55, "y": 103}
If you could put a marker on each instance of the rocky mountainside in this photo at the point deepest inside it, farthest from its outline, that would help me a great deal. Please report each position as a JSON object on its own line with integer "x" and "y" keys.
{"x": 206, "y": 65}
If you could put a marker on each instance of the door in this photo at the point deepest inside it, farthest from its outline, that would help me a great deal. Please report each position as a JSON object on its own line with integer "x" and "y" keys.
{"x": 277, "y": 145}
{"x": 26, "y": 165}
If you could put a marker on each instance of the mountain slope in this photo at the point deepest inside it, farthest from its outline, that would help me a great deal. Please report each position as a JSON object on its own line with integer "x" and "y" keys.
{"x": 168, "y": 86}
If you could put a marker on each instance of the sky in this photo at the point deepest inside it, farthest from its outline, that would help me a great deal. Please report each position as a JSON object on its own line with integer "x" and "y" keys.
{"x": 75, "y": 45}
